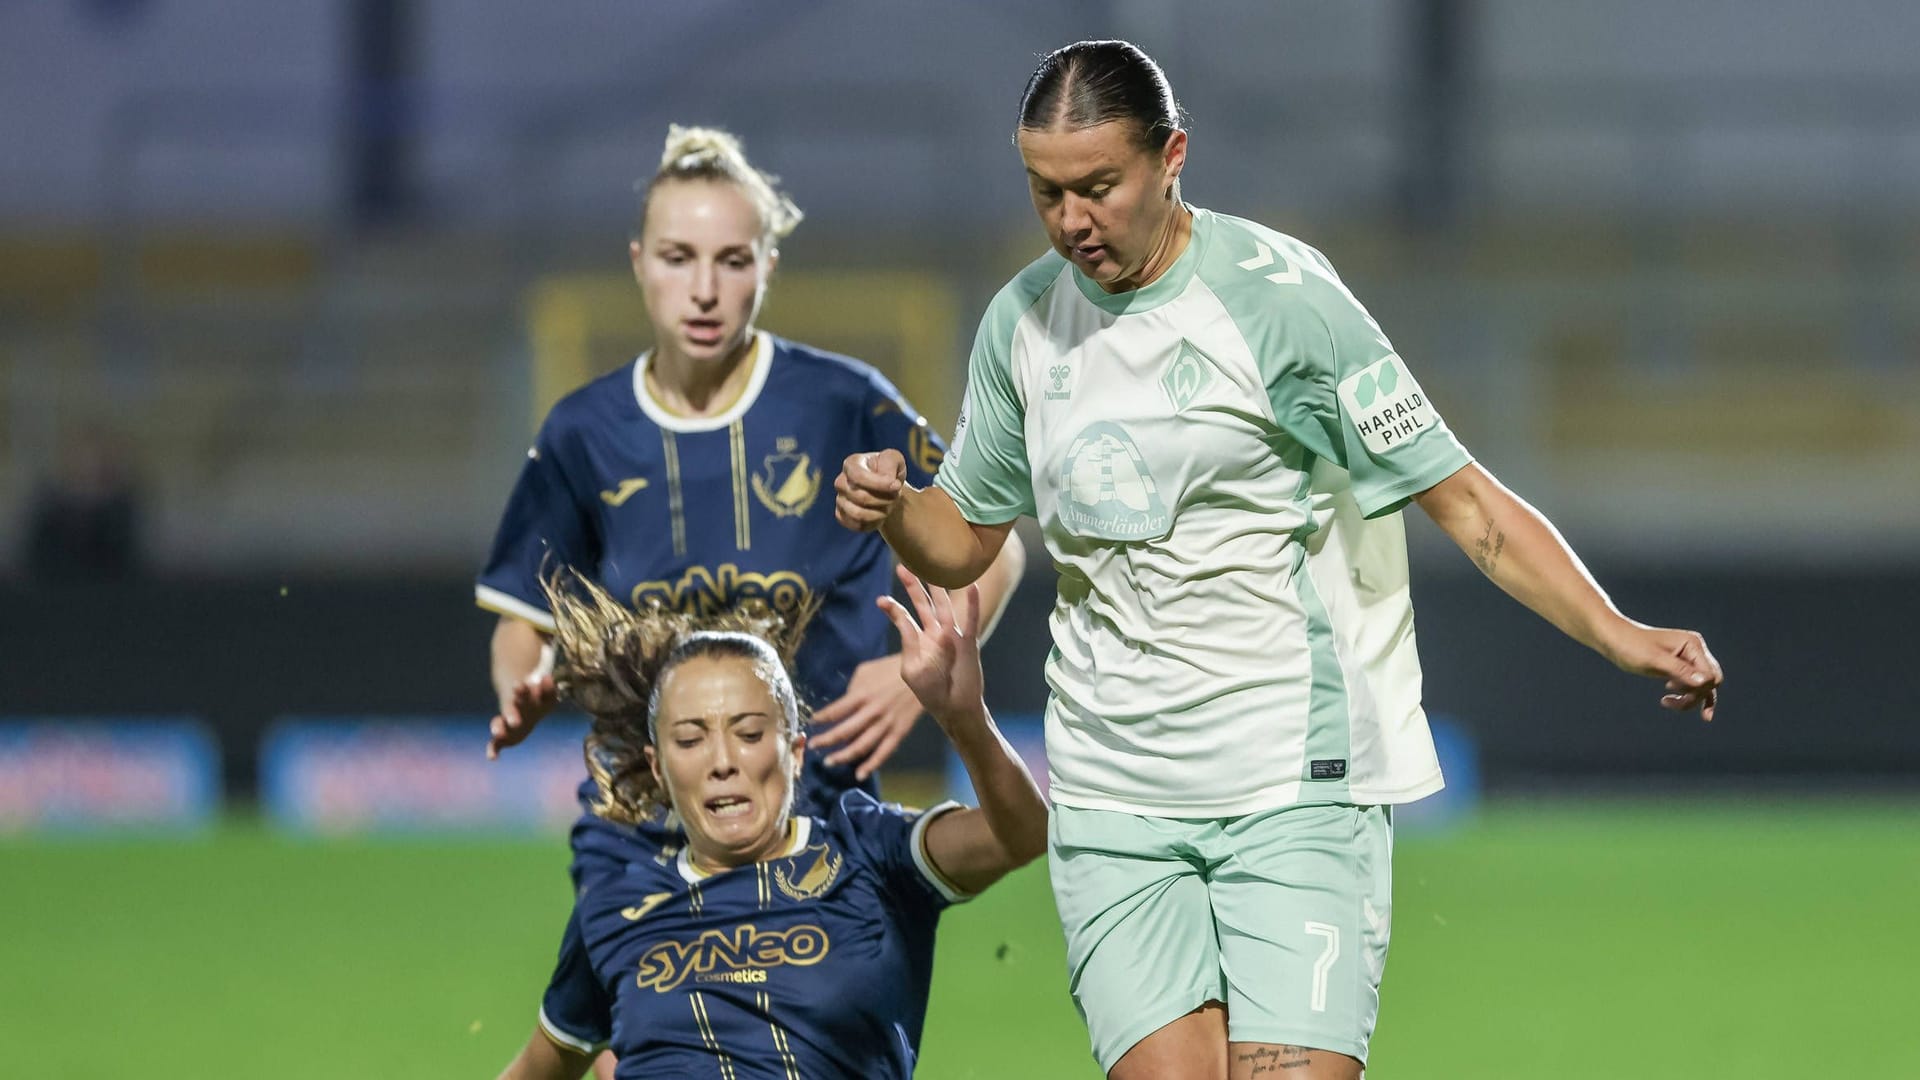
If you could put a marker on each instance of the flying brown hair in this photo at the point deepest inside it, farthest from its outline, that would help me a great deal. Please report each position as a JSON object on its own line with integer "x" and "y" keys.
{"x": 610, "y": 660}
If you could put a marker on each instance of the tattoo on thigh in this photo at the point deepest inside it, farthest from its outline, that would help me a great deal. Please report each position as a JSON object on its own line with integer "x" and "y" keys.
{"x": 1270, "y": 1060}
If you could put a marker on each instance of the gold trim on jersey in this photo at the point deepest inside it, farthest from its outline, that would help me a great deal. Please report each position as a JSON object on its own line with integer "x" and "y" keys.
{"x": 695, "y": 902}
{"x": 779, "y": 1037}
{"x": 708, "y": 1035}
{"x": 676, "y": 506}
{"x": 742, "y": 522}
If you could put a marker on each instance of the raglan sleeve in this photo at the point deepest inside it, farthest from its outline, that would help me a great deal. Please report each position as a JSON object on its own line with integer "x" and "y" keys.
{"x": 893, "y": 840}
{"x": 985, "y": 471}
{"x": 1343, "y": 391}
{"x": 546, "y": 527}
{"x": 575, "y": 1012}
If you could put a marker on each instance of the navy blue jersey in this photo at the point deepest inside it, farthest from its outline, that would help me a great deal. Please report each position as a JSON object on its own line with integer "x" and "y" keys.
{"x": 817, "y": 963}
{"x": 701, "y": 513}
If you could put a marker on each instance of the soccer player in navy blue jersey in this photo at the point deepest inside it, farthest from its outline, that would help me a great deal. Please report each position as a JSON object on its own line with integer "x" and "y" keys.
{"x": 770, "y": 944}
{"x": 692, "y": 479}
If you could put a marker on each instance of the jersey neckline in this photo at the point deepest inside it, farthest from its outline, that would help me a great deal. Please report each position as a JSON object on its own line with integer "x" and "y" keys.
{"x": 762, "y": 360}
{"x": 799, "y": 829}
{"x": 1162, "y": 289}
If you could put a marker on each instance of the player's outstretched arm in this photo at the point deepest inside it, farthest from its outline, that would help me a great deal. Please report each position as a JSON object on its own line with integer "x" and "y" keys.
{"x": 544, "y": 1059}
{"x": 922, "y": 525}
{"x": 1524, "y": 554}
{"x": 868, "y": 722}
{"x": 940, "y": 660}
{"x": 522, "y": 669}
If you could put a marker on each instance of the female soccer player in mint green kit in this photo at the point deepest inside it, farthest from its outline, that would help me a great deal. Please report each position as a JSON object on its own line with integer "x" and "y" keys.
{"x": 1216, "y": 438}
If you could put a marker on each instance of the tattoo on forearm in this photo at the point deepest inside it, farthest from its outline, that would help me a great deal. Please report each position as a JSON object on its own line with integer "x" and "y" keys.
{"x": 1270, "y": 1060}
{"x": 1487, "y": 549}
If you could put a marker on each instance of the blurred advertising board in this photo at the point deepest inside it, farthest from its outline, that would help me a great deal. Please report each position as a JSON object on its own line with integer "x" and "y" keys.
{"x": 96, "y": 772}
{"x": 1460, "y": 765}
{"x": 344, "y": 774}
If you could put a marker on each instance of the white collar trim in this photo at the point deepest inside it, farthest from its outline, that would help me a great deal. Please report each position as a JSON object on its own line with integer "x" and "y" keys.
{"x": 761, "y": 361}
{"x": 800, "y": 827}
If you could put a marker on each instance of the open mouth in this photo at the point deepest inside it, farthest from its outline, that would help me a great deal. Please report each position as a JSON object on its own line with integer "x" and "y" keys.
{"x": 1089, "y": 252}
{"x": 726, "y": 806}
{"x": 703, "y": 331}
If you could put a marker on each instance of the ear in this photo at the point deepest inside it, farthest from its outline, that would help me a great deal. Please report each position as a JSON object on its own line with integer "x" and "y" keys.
{"x": 633, "y": 257}
{"x": 653, "y": 765}
{"x": 772, "y": 261}
{"x": 1173, "y": 157}
{"x": 799, "y": 756}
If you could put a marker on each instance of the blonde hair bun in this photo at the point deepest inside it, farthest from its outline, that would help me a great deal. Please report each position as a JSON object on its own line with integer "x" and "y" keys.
{"x": 705, "y": 153}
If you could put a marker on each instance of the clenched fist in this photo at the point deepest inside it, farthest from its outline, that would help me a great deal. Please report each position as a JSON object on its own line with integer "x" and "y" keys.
{"x": 868, "y": 487}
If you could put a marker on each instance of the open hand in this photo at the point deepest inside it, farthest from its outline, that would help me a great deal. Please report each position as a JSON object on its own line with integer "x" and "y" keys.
{"x": 523, "y": 707}
{"x": 940, "y": 654}
{"x": 875, "y": 713}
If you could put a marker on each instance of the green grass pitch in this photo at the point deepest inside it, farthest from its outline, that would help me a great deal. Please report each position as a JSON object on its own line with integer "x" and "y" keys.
{"x": 1545, "y": 940}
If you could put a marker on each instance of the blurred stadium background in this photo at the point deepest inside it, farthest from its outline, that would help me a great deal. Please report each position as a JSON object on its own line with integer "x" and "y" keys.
{"x": 285, "y": 286}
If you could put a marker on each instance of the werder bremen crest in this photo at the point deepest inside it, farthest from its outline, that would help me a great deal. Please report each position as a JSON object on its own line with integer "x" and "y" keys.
{"x": 787, "y": 482}
{"x": 1189, "y": 374}
{"x": 820, "y": 870}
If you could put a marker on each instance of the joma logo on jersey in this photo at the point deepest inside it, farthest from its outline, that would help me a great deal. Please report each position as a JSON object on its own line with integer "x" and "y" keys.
{"x": 620, "y": 493}
{"x": 1385, "y": 405}
{"x": 668, "y": 964}
{"x": 701, "y": 591}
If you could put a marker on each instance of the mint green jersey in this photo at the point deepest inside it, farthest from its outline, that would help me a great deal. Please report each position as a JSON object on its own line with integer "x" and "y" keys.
{"x": 1216, "y": 461}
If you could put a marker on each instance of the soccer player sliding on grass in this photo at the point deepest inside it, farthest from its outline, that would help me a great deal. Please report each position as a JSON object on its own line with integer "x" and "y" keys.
{"x": 1215, "y": 437}
{"x": 770, "y": 943}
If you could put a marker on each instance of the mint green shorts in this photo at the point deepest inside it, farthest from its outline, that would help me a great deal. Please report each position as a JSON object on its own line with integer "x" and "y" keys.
{"x": 1282, "y": 915}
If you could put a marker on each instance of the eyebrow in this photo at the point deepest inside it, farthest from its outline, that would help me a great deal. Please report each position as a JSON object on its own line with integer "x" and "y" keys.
{"x": 1103, "y": 173}
{"x": 667, "y": 241}
{"x": 734, "y": 719}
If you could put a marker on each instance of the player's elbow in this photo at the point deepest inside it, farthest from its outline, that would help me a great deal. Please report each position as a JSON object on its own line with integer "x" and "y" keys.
{"x": 1030, "y": 844}
{"x": 951, "y": 578}
{"x": 1026, "y": 839}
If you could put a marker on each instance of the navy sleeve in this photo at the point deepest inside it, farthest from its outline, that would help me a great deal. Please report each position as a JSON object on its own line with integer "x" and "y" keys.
{"x": 575, "y": 1011}
{"x": 545, "y": 528}
{"x": 892, "y": 840}
{"x": 895, "y": 424}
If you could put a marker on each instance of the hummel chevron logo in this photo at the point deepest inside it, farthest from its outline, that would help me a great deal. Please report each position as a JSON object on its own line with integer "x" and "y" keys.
{"x": 1288, "y": 276}
{"x": 624, "y": 491}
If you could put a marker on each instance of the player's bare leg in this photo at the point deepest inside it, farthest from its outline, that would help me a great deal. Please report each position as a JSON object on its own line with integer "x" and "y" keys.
{"x": 603, "y": 1065}
{"x": 1193, "y": 1047}
{"x": 1257, "y": 1059}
